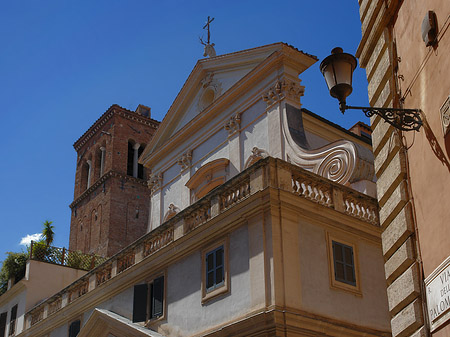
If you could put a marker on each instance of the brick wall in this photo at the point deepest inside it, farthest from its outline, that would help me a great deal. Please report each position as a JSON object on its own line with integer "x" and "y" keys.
{"x": 113, "y": 211}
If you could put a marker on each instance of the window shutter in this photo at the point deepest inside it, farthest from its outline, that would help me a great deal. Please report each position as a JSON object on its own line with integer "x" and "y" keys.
{"x": 3, "y": 324}
{"x": 74, "y": 328}
{"x": 158, "y": 297}
{"x": 140, "y": 303}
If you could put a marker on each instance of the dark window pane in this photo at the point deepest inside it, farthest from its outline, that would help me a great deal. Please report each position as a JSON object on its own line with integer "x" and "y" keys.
{"x": 3, "y": 324}
{"x": 158, "y": 297}
{"x": 337, "y": 252}
{"x": 140, "y": 303}
{"x": 219, "y": 275}
{"x": 219, "y": 257}
{"x": 74, "y": 328}
{"x": 12, "y": 321}
{"x": 209, "y": 262}
{"x": 130, "y": 159}
{"x": 343, "y": 263}
{"x": 210, "y": 280}
{"x": 348, "y": 255}
{"x": 340, "y": 271}
{"x": 349, "y": 273}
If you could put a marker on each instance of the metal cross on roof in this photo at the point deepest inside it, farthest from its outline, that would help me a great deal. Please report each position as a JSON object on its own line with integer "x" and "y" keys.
{"x": 209, "y": 47}
{"x": 208, "y": 22}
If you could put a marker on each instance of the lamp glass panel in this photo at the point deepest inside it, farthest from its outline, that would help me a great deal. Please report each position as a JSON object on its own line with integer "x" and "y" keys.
{"x": 343, "y": 72}
{"x": 328, "y": 73}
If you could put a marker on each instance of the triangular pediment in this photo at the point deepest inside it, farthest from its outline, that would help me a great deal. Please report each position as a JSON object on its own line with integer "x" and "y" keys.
{"x": 212, "y": 80}
{"x": 105, "y": 323}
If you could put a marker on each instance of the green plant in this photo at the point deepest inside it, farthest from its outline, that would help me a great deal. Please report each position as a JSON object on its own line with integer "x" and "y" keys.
{"x": 48, "y": 233}
{"x": 14, "y": 266}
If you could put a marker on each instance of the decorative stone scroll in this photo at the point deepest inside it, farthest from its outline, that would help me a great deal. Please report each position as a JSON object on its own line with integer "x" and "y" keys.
{"x": 234, "y": 124}
{"x": 185, "y": 160}
{"x": 283, "y": 89}
{"x": 154, "y": 183}
{"x": 256, "y": 155}
{"x": 341, "y": 161}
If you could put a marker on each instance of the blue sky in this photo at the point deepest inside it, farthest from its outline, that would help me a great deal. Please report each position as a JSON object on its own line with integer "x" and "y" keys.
{"x": 63, "y": 63}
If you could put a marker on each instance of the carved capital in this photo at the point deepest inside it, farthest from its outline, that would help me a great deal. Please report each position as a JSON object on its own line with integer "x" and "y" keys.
{"x": 185, "y": 160}
{"x": 233, "y": 124}
{"x": 154, "y": 183}
{"x": 283, "y": 89}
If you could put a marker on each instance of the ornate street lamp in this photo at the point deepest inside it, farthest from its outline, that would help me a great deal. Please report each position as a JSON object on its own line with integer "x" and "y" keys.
{"x": 338, "y": 70}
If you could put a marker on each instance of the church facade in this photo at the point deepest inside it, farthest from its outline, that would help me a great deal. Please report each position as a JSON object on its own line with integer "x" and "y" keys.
{"x": 260, "y": 221}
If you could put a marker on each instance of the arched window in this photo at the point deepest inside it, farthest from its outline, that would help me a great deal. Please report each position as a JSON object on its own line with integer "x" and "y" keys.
{"x": 100, "y": 155}
{"x": 135, "y": 169}
{"x": 85, "y": 175}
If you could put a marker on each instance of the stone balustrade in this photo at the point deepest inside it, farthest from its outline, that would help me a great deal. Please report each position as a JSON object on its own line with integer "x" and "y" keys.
{"x": 266, "y": 173}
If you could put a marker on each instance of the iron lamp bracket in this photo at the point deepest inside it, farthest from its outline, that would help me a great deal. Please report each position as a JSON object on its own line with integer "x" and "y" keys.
{"x": 402, "y": 119}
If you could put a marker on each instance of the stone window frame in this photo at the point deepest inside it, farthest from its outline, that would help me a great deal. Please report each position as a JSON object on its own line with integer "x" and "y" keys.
{"x": 148, "y": 282}
{"x": 337, "y": 284}
{"x": 224, "y": 288}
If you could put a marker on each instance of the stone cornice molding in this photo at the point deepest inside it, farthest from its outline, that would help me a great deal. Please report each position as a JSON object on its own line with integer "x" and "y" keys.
{"x": 284, "y": 88}
{"x": 113, "y": 110}
{"x": 103, "y": 179}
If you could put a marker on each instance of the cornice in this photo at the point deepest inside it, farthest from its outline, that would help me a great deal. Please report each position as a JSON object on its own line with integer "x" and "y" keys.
{"x": 103, "y": 179}
{"x": 113, "y": 110}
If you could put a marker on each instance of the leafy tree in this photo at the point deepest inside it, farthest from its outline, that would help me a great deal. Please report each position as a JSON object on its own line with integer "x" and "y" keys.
{"x": 48, "y": 233}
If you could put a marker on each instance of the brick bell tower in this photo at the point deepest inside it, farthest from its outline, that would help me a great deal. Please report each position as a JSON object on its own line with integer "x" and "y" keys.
{"x": 111, "y": 198}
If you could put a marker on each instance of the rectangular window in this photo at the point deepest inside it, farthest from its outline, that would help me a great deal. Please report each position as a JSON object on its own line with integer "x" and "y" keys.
{"x": 3, "y": 324}
{"x": 12, "y": 321}
{"x": 74, "y": 328}
{"x": 215, "y": 277}
{"x": 148, "y": 302}
{"x": 343, "y": 263}
{"x": 344, "y": 266}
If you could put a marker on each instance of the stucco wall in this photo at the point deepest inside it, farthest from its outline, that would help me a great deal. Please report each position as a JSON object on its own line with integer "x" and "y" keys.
{"x": 425, "y": 72}
{"x": 319, "y": 297}
{"x": 184, "y": 291}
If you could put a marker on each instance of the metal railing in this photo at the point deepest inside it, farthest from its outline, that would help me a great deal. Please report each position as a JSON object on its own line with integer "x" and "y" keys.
{"x": 39, "y": 251}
